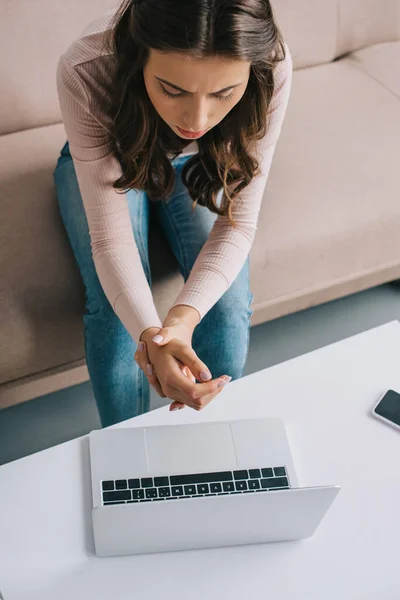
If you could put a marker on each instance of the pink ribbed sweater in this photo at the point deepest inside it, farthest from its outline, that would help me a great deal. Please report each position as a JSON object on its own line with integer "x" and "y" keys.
{"x": 82, "y": 77}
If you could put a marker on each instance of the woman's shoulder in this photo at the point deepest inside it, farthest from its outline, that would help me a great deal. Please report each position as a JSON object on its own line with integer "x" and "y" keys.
{"x": 284, "y": 68}
{"x": 86, "y": 68}
{"x": 91, "y": 42}
{"x": 283, "y": 74}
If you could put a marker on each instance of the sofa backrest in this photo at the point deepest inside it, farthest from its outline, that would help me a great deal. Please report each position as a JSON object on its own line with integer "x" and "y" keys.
{"x": 34, "y": 33}
{"x": 319, "y": 31}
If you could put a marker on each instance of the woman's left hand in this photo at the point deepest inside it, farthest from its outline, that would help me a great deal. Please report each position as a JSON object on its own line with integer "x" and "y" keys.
{"x": 142, "y": 359}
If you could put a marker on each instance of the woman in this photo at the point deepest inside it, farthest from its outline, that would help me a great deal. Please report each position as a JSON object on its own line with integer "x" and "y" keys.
{"x": 174, "y": 108}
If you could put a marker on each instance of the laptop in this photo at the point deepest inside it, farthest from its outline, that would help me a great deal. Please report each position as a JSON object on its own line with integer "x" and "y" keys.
{"x": 202, "y": 485}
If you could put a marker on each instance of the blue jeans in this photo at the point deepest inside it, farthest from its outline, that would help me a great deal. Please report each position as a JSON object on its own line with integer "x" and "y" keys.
{"x": 221, "y": 339}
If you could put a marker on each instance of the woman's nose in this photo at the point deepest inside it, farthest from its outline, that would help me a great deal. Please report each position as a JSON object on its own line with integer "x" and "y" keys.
{"x": 197, "y": 118}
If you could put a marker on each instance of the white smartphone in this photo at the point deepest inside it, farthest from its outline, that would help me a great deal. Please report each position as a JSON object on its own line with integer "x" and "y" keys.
{"x": 387, "y": 408}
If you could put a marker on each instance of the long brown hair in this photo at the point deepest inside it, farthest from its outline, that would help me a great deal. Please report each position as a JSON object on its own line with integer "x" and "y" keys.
{"x": 242, "y": 29}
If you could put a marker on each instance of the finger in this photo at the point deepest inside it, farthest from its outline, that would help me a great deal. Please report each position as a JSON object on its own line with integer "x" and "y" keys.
{"x": 162, "y": 338}
{"x": 148, "y": 369}
{"x": 187, "y": 389}
{"x": 176, "y": 406}
{"x": 195, "y": 404}
{"x": 180, "y": 388}
{"x": 179, "y": 405}
{"x": 186, "y": 371}
{"x": 188, "y": 357}
{"x": 154, "y": 381}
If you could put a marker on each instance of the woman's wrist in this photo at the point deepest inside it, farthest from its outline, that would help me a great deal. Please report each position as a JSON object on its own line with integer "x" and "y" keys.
{"x": 182, "y": 314}
{"x": 150, "y": 332}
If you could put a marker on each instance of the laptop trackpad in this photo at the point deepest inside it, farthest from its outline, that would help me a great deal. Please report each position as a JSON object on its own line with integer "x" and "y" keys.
{"x": 190, "y": 448}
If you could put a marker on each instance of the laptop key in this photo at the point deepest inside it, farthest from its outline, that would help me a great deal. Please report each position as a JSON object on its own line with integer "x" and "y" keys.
{"x": 275, "y": 482}
{"x": 147, "y": 482}
{"x": 254, "y": 484}
{"x": 241, "y": 485}
{"x": 107, "y": 486}
{"x": 190, "y": 490}
{"x": 267, "y": 472}
{"x": 201, "y": 478}
{"x": 119, "y": 502}
{"x": 280, "y": 471}
{"x": 121, "y": 484}
{"x": 119, "y": 495}
{"x": 137, "y": 494}
{"x": 177, "y": 491}
{"x": 228, "y": 486}
{"x": 133, "y": 483}
{"x": 203, "y": 489}
{"x": 161, "y": 481}
{"x": 164, "y": 492}
{"x": 151, "y": 493}
{"x": 254, "y": 473}
{"x": 240, "y": 475}
{"x": 216, "y": 487}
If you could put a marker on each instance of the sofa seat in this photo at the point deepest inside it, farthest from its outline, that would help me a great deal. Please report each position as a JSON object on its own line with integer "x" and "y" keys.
{"x": 330, "y": 220}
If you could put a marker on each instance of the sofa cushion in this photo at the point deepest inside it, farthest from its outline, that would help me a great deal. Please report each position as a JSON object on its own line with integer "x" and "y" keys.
{"x": 331, "y": 210}
{"x": 366, "y": 23}
{"x": 33, "y": 35}
{"x": 382, "y": 62}
{"x": 318, "y": 31}
{"x": 310, "y": 28}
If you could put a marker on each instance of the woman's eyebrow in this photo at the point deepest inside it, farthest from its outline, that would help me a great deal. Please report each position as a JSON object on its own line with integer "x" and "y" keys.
{"x": 186, "y": 92}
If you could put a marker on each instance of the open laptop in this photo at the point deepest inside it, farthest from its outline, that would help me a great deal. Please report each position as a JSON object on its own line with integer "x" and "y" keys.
{"x": 182, "y": 487}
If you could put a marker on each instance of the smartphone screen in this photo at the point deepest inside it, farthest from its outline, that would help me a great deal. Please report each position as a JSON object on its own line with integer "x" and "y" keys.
{"x": 389, "y": 407}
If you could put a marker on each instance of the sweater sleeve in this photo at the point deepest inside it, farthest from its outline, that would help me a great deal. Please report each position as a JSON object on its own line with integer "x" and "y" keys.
{"x": 226, "y": 249}
{"x": 115, "y": 253}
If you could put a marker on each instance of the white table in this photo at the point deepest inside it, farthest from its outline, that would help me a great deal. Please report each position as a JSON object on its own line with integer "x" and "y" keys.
{"x": 324, "y": 397}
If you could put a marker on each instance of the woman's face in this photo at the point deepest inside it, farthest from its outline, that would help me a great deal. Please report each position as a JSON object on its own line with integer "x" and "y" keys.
{"x": 212, "y": 87}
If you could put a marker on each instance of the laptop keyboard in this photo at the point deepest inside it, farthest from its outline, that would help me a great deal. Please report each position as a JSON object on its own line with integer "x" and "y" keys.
{"x": 151, "y": 489}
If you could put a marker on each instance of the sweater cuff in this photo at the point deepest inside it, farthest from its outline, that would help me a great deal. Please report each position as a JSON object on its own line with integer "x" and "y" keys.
{"x": 134, "y": 319}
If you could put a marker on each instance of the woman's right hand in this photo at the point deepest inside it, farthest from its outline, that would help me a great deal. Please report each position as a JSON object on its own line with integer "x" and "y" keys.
{"x": 168, "y": 363}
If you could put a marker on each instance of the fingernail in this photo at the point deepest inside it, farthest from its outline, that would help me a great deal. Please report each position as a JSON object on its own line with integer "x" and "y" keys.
{"x": 176, "y": 408}
{"x": 158, "y": 339}
{"x": 224, "y": 381}
{"x": 205, "y": 375}
{"x": 141, "y": 347}
{"x": 149, "y": 369}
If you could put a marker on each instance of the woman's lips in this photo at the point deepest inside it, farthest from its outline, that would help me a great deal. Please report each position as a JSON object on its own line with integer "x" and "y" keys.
{"x": 191, "y": 134}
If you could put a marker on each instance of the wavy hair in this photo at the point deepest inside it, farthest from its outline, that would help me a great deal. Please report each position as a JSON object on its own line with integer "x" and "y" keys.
{"x": 238, "y": 29}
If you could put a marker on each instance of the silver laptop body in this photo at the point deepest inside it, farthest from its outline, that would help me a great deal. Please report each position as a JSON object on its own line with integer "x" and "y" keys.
{"x": 182, "y": 487}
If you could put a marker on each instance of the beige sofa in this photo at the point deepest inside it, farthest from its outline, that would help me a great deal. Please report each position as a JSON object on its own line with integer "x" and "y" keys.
{"x": 330, "y": 220}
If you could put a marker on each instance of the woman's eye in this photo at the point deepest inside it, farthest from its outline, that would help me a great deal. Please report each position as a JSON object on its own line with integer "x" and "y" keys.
{"x": 169, "y": 95}
{"x": 228, "y": 97}
{"x": 164, "y": 91}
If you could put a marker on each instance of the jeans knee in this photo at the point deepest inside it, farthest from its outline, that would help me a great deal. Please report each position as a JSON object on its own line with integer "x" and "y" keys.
{"x": 235, "y": 304}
